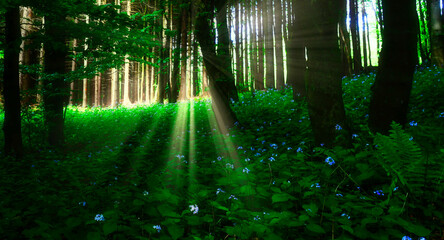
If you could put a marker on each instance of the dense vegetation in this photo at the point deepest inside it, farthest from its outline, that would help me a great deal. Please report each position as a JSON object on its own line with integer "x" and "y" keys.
{"x": 164, "y": 172}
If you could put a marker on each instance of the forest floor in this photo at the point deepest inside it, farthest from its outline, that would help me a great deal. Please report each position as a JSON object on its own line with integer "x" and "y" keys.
{"x": 164, "y": 172}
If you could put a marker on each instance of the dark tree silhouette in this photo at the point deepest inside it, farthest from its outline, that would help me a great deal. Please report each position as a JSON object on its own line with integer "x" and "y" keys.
{"x": 11, "y": 91}
{"x": 393, "y": 84}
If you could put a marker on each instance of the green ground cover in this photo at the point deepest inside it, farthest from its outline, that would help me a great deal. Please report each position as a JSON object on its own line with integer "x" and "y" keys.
{"x": 164, "y": 172}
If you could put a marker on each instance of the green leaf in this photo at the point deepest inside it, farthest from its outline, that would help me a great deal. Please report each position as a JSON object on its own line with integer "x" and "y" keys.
{"x": 73, "y": 222}
{"x": 247, "y": 190}
{"x": 218, "y": 206}
{"x": 175, "y": 231}
{"x": 281, "y": 197}
{"x": 347, "y": 228}
{"x": 109, "y": 227}
{"x": 93, "y": 236}
{"x": 315, "y": 228}
{"x": 376, "y": 211}
{"x": 138, "y": 202}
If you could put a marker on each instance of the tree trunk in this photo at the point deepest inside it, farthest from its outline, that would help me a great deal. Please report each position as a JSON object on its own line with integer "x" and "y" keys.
{"x": 269, "y": 46}
{"x": 279, "y": 45}
{"x": 260, "y": 48}
{"x": 437, "y": 33}
{"x": 238, "y": 44}
{"x": 324, "y": 83}
{"x": 298, "y": 37}
{"x": 364, "y": 34}
{"x": 392, "y": 87}
{"x": 223, "y": 51}
{"x": 354, "y": 29}
{"x": 183, "y": 48}
{"x": 11, "y": 91}
{"x": 30, "y": 57}
{"x": 344, "y": 41}
{"x": 55, "y": 88}
{"x": 220, "y": 78}
{"x": 253, "y": 47}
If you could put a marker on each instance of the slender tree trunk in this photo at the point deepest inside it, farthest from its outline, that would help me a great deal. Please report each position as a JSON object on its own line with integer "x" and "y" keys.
{"x": 245, "y": 44}
{"x": 12, "y": 124}
{"x": 183, "y": 48}
{"x": 344, "y": 41}
{"x": 253, "y": 46}
{"x": 354, "y": 29}
{"x": 55, "y": 88}
{"x": 126, "y": 68}
{"x": 163, "y": 76}
{"x": 279, "y": 45}
{"x": 364, "y": 34}
{"x": 269, "y": 45}
{"x": 260, "y": 43}
{"x": 238, "y": 43}
{"x": 392, "y": 87}
{"x": 368, "y": 42}
{"x": 324, "y": 82}
{"x": 30, "y": 57}
{"x": 195, "y": 67}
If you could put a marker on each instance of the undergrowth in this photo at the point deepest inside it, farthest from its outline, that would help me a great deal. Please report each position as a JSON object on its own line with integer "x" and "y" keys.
{"x": 164, "y": 172}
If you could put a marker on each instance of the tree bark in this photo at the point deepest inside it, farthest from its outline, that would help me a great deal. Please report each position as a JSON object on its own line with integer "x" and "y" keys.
{"x": 260, "y": 44}
{"x": 324, "y": 82}
{"x": 269, "y": 46}
{"x": 183, "y": 48}
{"x": 279, "y": 45}
{"x": 298, "y": 37}
{"x": 437, "y": 33}
{"x": 356, "y": 43}
{"x": 392, "y": 87}
{"x": 12, "y": 124}
{"x": 54, "y": 86}
{"x": 221, "y": 79}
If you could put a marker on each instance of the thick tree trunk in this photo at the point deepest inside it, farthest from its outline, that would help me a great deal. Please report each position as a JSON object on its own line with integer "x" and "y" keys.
{"x": 279, "y": 45}
{"x": 221, "y": 79}
{"x": 223, "y": 51}
{"x": 324, "y": 88}
{"x": 12, "y": 124}
{"x": 392, "y": 87}
{"x": 55, "y": 88}
{"x": 356, "y": 43}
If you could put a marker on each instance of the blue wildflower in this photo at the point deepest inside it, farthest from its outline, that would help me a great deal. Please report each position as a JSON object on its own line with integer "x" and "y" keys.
{"x": 99, "y": 217}
{"x": 194, "y": 208}
{"x": 274, "y": 146}
{"x": 246, "y": 170}
{"x": 379, "y": 192}
{"x": 157, "y": 227}
{"x": 406, "y": 238}
{"x": 338, "y": 127}
{"x": 82, "y": 203}
{"x": 329, "y": 161}
{"x": 271, "y": 159}
{"x": 316, "y": 185}
{"x": 219, "y": 190}
{"x": 413, "y": 123}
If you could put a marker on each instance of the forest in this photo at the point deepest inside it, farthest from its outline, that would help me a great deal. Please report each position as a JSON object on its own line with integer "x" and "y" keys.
{"x": 222, "y": 119}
